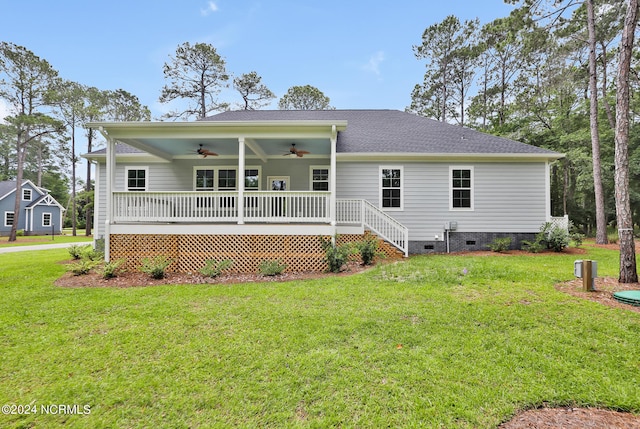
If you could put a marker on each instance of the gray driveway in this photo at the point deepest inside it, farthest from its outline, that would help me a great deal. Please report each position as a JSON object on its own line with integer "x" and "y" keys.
{"x": 40, "y": 247}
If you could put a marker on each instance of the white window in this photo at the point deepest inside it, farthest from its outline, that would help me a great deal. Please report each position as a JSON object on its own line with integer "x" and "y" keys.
{"x": 137, "y": 178}
{"x": 461, "y": 188}
{"x": 391, "y": 188}
{"x": 252, "y": 178}
{"x": 319, "y": 178}
{"x": 204, "y": 179}
{"x": 8, "y": 218}
{"x": 46, "y": 219}
{"x": 227, "y": 179}
{"x": 26, "y": 195}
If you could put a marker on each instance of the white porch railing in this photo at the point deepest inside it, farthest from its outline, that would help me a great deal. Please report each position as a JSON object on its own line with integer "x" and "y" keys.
{"x": 362, "y": 212}
{"x": 259, "y": 206}
{"x": 220, "y": 207}
{"x": 283, "y": 206}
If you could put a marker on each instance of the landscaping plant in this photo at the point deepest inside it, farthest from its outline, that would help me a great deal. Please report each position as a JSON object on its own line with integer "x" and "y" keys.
{"x": 156, "y": 267}
{"x": 500, "y": 244}
{"x": 213, "y": 268}
{"x": 336, "y": 255}
{"x": 271, "y": 267}
{"x": 368, "y": 249}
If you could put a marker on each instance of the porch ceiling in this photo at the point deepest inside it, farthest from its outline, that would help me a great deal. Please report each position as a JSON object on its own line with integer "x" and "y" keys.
{"x": 182, "y": 139}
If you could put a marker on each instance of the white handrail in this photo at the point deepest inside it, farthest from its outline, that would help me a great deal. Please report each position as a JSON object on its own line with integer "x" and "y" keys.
{"x": 362, "y": 212}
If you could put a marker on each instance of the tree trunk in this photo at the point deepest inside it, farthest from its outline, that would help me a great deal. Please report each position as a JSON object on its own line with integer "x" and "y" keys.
{"x": 20, "y": 151}
{"x": 74, "y": 214}
{"x": 605, "y": 102}
{"x": 628, "y": 270}
{"x": 601, "y": 219}
{"x": 87, "y": 212}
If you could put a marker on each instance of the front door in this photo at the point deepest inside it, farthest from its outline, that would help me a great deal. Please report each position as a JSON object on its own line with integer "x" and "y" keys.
{"x": 278, "y": 204}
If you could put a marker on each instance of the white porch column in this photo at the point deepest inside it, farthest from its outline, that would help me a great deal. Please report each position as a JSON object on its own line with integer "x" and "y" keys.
{"x": 332, "y": 178}
{"x": 240, "y": 180}
{"x": 111, "y": 180}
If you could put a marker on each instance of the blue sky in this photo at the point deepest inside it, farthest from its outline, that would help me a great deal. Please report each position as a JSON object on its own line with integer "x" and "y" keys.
{"x": 359, "y": 53}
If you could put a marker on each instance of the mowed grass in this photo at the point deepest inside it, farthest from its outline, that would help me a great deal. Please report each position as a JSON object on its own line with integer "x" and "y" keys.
{"x": 434, "y": 341}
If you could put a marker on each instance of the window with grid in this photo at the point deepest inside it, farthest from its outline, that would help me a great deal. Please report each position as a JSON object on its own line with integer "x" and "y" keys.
{"x": 251, "y": 179}
{"x": 204, "y": 179}
{"x": 46, "y": 219}
{"x": 227, "y": 180}
{"x": 462, "y": 188}
{"x": 136, "y": 179}
{"x": 8, "y": 218}
{"x": 320, "y": 179}
{"x": 26, "y": 195}
{"x": 391, "y": 188}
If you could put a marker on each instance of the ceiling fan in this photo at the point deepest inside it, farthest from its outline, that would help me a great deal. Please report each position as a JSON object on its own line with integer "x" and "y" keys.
{"x": 297, "y": 152}
{"x": 205, "y": 152}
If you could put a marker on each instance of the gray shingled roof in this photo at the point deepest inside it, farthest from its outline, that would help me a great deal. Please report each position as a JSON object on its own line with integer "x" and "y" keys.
{"x": 393, "y": 131}
{"x": 386, "y": 131}
{"x": 120, "y": 148}
{"x": 6, "y": 187}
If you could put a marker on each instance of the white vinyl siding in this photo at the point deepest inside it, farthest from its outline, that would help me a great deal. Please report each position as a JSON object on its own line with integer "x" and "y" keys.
{"x": 499, "y": 206}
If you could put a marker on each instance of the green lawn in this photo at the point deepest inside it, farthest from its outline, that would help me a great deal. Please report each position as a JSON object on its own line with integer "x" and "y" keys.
{"x": 481, "y": 338}
{"x": 43, "y": 239}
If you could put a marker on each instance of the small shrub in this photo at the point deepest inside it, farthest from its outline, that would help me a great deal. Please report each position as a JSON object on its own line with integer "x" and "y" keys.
{"x": 111, "y": 269}
{"x": 271, "y": 267}
{"x": 549, "y": 237}
{"x": 613, "y": 238}
{"x": 336, "y": 256}
{"x": 213, "y": 268}
{"x": 83, "y": 266}
{"x": 532, "y": 246}
{"x": 155, "y": 267}
{"x": 368, "y": 249}
{"x": 20, "y": 233}
{"x": 577, "y": 238}
{"x": 501, "y": 244}
{"x": 76, "y": 251}
{"x": 92, "y": 254}
{"x": 558, "y": 239}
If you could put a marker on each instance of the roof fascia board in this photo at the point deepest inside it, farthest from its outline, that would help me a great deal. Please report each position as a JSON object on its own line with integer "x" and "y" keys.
{"x": 480, "y": 157}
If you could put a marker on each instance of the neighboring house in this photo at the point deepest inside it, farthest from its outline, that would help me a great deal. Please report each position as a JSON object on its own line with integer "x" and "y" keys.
{"x": 40, "y": 213}
{"x": 221, "y": 188}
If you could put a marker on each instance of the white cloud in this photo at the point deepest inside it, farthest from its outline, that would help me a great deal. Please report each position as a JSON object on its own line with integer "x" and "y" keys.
{"x": 373, "y": 65}
{"x": 211, "y": 8}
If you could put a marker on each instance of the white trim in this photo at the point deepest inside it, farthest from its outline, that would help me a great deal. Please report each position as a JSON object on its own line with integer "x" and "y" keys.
{"x": 380, "y": 188}
{"x": 96, "y": 203}
{"x": 50, "y": 218}
{"x": 135, "y": 167}
{"x": 5, "y": 218}
{"x": 30, "y": 194}
{"x": 471, "y": 189}
{"x": 225, "y": 228}
{"x": 320, "y": 167}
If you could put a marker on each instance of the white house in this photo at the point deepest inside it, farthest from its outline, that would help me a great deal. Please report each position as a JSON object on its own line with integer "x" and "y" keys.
{"x": 250, "y": 185}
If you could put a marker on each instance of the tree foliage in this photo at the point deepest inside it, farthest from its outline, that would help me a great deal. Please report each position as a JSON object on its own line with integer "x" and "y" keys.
{"x": 196, "y": 74}
{"x": 305, "y": 97}
{"x": 254, "y": 93}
